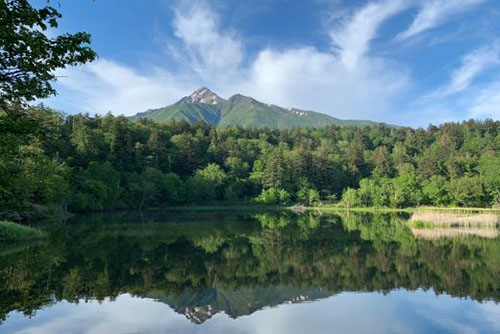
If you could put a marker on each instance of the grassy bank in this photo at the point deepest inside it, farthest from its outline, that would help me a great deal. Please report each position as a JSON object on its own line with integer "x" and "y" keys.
{"x": 250, "y": 206}
{"x": 10, "y": 232}
{"x": 407, "y": 210}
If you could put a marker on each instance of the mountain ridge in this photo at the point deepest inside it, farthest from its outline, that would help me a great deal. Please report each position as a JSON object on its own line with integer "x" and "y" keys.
{"x": 203, "y": 105}
{"x": 200, "y": 306}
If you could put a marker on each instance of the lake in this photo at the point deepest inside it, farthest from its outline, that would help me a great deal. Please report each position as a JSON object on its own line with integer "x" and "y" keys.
{"x": 248, "y": 272}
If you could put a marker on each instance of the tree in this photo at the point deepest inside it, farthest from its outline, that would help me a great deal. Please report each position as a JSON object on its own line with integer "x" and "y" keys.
{"x": 188, "y": 153}
{"x": 435, "y": 190}
{"x": 490, "y": 176}
{"x": 96, "y": 188}
{"x": 383, "y": 162}
{"x": 214, "y": 175}
{"x": 174, "y": 189}
{"x": 273, "y": 196}
{"x": 277, "y": 170}
{"x": 199, "y": 190}
{"x": 28, "y": 57}
{"x": 307, "y": 194}
{"x": 407, "y": 187}
{"x": 349, "y": 198}
{"x": 466, "y": 191}
{"x": 238, "y": 169}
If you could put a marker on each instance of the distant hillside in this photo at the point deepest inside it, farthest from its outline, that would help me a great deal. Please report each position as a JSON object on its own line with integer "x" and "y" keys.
{"x": 204, "y": 105}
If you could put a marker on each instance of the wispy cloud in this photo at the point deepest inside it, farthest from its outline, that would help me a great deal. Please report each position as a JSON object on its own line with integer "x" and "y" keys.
{"x": 355, "y": 33}
{"x": 473, "y": 64}
{"x": 345, "y": 80}
{"x": 310, "y": 79}
{"x": 464, "y": 95}
{"x": 210, "y": 51}
{"x": 434, "y": 12}
{"x": 302, "y": 77}
{"x": 485, "y": 102}
{"x": 106, "y": 85}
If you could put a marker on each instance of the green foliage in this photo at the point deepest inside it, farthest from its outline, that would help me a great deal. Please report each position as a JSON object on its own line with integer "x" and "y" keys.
{"x": 214, "y": 175}
{"x": 435, "y": 190}
{"x": 276, "y": 173}
{"x": 50, "y": 162}
{"x": 273, "y": 196}
{"x": 97, "y": 187}
{"x": 28, "y": 57}
{"x": 350, "y": 198}
{"x": 173, "y": 189}
{"x": 12, "y": 232}
{"x": 200, "y": 190}
{"x": 490, "y": 177}
{"x": 466, "y": 191}
{"x": 308, "y": 195}
{"x": 407, "y": 187}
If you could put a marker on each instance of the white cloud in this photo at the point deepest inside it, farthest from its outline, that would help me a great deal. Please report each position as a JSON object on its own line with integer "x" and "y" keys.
{"x": 354, "y": 36}
{"x": 302, "y": 77}
{"x": 109, "y": 86}
{"x": 486, "y": 102}
{"x": 434, "y": 12}
{"x": 210, "y": 51}
{"x": 309, "y": 79}
{"x": 464, "y": 94}
{"x": 346, "y": 84}
{"x": 473, "y": 64}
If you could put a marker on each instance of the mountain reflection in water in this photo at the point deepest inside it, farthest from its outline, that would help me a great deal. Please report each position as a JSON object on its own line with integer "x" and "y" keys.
{"x": 202, "y": 264}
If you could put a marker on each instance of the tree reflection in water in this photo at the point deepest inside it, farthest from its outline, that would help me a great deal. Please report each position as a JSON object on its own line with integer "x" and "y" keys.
{"x": 204, "y": 263}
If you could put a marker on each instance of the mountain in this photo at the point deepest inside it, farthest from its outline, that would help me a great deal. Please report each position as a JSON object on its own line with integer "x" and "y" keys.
{"x": 206, "y": 106}
{"x": 200, "y": 306}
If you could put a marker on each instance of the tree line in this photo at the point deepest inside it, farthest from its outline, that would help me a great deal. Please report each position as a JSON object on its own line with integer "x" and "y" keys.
{"x": 84, "y": 163}
{"x": 51, "y": 162}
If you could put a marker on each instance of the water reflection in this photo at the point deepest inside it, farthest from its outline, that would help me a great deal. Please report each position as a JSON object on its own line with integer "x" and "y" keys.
{"x": 210, "y": 268}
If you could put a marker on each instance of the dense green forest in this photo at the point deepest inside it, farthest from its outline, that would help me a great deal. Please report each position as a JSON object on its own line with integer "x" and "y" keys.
{"x": 81, "y": 163}
{"x": 51, "y": 162}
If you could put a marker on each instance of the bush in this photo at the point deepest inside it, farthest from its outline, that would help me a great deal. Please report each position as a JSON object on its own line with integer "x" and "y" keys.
{"x": 273, "y": 196}
{"x": 199, "y": 190}
{"x": 308, "y": 196}
{"x": 350, "y": 198}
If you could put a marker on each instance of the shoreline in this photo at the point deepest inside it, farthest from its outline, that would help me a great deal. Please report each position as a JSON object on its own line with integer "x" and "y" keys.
{"x": 403, "y": 210}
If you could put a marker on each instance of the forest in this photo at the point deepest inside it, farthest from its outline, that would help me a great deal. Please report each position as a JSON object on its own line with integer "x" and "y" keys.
{"x": 51, "y": 162}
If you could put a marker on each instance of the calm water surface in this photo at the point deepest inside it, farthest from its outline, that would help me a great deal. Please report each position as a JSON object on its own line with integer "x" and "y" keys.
{"x": 215, "y": 272}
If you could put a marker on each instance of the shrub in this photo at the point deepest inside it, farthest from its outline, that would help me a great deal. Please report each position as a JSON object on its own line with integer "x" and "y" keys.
{"x": 273, "y": 196}
{"x": 10, "y": 231}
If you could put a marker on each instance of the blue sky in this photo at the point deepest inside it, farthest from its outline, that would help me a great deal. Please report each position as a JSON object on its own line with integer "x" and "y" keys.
{"x": 408, "y": 62}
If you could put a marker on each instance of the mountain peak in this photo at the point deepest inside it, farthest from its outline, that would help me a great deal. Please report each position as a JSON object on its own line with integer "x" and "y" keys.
{"x": 202, "y": 95}
{"x": 203, "y": 105}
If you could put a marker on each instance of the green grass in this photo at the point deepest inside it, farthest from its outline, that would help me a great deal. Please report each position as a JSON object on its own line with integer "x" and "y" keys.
{"x": 408, "y": 210}
{"x": 244, "y": 206}
{"x": 10, "y": 232}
